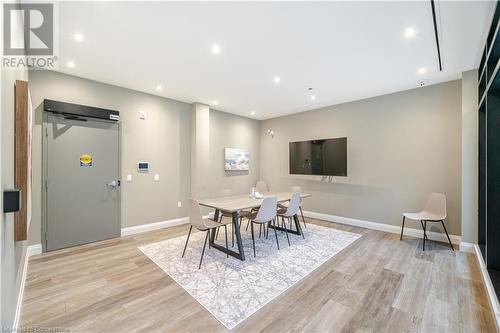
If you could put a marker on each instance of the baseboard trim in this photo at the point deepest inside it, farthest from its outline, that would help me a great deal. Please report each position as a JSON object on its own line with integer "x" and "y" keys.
{"x": 20, "y": 295}
{"x": 492, "y": 296}
{"x": 441, "y": 237}
{"x": 467, "y": 247}
{"x": 153, "y": 226}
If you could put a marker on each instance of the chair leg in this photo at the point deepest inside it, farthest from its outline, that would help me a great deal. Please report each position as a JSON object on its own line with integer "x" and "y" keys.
{"x": 248, "y": 222}
{"x": 287, "y": 238}
{"x": 204, "y": 246}
{"x": 217, "y": 234}
{"x": 402, "y": 227}
{"x": 446, "y": 231}
{"x": 276, "y": 234}
{"x": 425, "y": 234}
{"x": 187, "y": 239}
{"x": 227, "y": 247}
{"x": 303, "y": 219}
{"x": 425, "y": 227}
{"x": 260, "y": 229}
{"x": 253, "y": 238}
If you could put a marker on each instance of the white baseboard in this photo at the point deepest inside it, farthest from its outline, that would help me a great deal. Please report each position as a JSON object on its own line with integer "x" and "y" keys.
{"x": 153, "y": 226}
{"x": 492, "y": 296}
{"x": 467, "y": 247}
{"x": 19, "y": 305}
{"x": 382, "y": 227}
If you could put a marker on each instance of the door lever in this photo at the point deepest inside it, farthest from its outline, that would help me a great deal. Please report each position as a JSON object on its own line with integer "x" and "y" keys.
{"x": 113, "y": 184}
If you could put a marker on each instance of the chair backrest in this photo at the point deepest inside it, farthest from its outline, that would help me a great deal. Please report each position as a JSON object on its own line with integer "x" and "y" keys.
{"x": 194, "y": 212}
{"x": 261, "y": 187}
{"x": 436, "y": 205}
{"x": 267, "y": 210}
{"x": 226, "y": 192}
{"x": 293, "y": 206}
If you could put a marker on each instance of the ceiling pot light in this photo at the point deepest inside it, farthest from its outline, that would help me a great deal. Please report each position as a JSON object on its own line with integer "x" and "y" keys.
{"x": 159, "y": 87}
{"x": 252, "y": 113}
{"x": 70, "y": 64}
{"x": 79, "y": 37}
{"x": 313, "y": 97}
{"x": 409, "y": 32}
{"x": 215, "y": 49}
{"x": 215, "y": 103}
{"x": 422, "y": 70}
{"x": 277, "y": 79}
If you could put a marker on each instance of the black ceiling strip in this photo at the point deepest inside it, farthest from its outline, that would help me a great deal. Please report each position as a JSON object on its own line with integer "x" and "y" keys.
{"x": 436, "y": 33}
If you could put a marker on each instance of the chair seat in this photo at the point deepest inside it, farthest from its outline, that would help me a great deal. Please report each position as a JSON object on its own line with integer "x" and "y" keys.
{"x": 248, "y": 215}
{"x": 210, "y": 224}
{"x": 423, "y": 216}
{"x": 282, "y": 211}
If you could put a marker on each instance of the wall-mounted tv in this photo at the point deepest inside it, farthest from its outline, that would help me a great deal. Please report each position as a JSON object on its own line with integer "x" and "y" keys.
{"x": 324, "y": 157}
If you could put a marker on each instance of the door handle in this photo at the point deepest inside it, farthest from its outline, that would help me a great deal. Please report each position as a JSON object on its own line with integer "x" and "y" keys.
{"x": 113, "y": 184}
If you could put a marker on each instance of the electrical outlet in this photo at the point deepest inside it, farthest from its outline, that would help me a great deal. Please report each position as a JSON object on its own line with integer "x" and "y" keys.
{"x": 157, "y": 177}
{"x": 129, "y": 178}
{"x": 142, "y": 115}
{"x": 179, "y": 204}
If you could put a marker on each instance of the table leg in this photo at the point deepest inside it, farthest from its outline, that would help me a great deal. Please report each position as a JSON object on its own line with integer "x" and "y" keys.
{"x": 236, "y": 227}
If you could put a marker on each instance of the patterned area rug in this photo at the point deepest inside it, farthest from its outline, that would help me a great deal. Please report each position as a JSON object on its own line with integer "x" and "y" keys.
{"x": 231, "y": 289}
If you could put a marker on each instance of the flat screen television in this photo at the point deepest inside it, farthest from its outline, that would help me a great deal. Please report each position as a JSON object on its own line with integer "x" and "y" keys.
{"x": 324, "y": 157}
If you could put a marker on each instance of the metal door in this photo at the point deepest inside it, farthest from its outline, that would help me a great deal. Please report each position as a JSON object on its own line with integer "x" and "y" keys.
{"x": 82, "y": 170}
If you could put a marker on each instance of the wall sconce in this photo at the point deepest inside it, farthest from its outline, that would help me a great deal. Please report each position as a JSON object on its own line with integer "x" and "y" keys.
{"x": 270, "y": 132}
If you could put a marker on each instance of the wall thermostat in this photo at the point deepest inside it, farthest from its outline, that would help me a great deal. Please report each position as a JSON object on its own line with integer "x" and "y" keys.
{"x": 143, "y": 166}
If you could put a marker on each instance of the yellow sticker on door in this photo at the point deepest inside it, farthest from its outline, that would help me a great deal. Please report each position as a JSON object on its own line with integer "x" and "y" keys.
{"x": 85, "y": 160}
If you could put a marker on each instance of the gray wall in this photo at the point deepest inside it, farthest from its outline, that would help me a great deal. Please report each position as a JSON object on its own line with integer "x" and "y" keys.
{"x": 401, "y": 147}
{"x": 164, "y": 139}
{"x": 160, "y": 139}
{"x": 12, "y": 253}
{"x": 230, "y": 131}
{"x": 469, "y": 189}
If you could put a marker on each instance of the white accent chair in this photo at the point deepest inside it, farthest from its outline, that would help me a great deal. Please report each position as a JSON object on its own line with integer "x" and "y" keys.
{"x": 434, "y": 211}
{"x": 289, "y": 212}
{"x": 265, "y": 215}
{"x": 261, "y": 187}
{"x": 196, "y": 220}
{"x": 286, "y": 203}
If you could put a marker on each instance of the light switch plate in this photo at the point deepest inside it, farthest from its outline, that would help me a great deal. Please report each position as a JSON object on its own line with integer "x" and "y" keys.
{"x": 179, "y": 204}
{"x": 157, "y": 177}
{"x": 129, "y": 178}
{"x": 142, "y": 115}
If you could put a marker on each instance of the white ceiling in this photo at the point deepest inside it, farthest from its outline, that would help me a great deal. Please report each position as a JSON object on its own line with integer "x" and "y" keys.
{"x": 344, "y": 50}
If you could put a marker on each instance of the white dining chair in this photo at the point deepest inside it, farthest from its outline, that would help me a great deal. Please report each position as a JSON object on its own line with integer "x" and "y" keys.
{"x": 261, "y": 187}
{"x": 265, "y": 215}
{"x": 286, "y": 203}
{"x": 434, "y": 211}
{"x": 196, "y": 220}
{"x": 290, "y": 211}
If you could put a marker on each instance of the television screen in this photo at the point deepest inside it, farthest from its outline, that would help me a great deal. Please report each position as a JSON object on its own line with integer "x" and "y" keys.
{"x": 325, "y": 157}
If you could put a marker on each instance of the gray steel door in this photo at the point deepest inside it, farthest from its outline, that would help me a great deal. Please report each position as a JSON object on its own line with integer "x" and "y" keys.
{"x": 82, "y": 173}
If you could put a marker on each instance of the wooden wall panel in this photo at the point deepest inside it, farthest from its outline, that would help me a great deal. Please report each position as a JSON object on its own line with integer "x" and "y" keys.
{"x": 21, "y": 158}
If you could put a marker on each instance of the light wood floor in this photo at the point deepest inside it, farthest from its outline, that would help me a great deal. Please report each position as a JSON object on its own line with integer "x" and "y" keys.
{"x": 377, "y": 284}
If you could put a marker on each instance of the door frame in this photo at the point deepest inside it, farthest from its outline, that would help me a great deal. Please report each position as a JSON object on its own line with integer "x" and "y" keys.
{"x": 45, "y": 143}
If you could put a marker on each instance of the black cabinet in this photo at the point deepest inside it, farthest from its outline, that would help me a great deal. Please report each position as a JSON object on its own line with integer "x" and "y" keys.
{"x": 489, "y": 152}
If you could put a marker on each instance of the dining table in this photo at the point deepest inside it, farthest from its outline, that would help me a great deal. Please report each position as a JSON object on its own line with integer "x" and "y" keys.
{"x": 234, "y": 204}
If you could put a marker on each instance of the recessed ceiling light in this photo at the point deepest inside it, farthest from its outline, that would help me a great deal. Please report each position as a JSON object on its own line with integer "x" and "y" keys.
{"x": 313, "y": 97}
{"x": 70, "y": 64}
{"x": 79, "y": 37}
{"x": 252, "y": 113}
{"x": 410, "y": 32}
{"x": 159, "y": 87}
{"x": 277, "y": 79}
{"x": 422, "y": 70}
{"x": 215, "y": 102}
{"x": 215, "y": 49}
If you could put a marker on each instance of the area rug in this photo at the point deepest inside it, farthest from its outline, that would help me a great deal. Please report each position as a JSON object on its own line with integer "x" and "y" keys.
{"x": 231, "y": 289}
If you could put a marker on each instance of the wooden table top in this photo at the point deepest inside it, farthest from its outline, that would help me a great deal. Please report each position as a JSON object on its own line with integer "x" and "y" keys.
{"x": 236, "y": 203}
